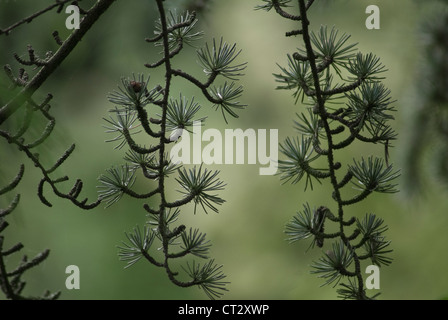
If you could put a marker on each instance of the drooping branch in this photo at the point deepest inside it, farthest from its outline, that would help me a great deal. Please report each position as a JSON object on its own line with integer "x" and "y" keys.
{"x": 310, "y": 73}
{"x": 197, "y": 186}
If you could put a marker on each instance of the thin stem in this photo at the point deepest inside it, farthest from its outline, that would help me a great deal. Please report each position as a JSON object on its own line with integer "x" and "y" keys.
{"x": 46, "y": 177}
{"x": 331, "y": 163}
{"x": 164, "y": 104}
{"x": 3, "y": 274}
{"x": 200, "y": 85}
{"x": 30, "y": 18}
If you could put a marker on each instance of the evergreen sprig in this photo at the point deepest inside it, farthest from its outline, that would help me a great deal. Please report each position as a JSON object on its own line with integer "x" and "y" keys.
{"x": 137, "y": 245}
{"x": 301, "y": 225}
{"x": 218, "y": 60}
{"x": 333, "y": 265}
{"x": 371, "y": 175}
{"x": 366, "y": 67}
{"x": 181, "y": 113}
{"x": 225, "y": 98}
{"x": 180, "y": 29}
{"x": 349, "y": 291}
{"x": 134, "y": 92}
{"x": 370, "y": 104}
{"x": 299, "y": 155}
{"x": 195, "y": 243}
{"x": 123, "y": 124}
{"x": 208, "y": 277}
{"x": 198, "y": 184}
{"x": 324, "y": 74}
{"x": 268, "y": 4}
{"x": 331, "y": 48}
{"x": 297, "y": 76}
{"x": 308, "y": 125}
{"x": 130, "y": 120}
{"x": 115, "y": 183}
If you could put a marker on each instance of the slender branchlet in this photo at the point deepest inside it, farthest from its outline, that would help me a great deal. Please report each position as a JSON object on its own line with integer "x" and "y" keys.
{"x": 58, "y": 6}
{"x": 325, "y": 129}
{"x": 20, "y": 97}
{"x": 23, "y": 99}
{"x": 150, "y": 108}
{"x": 11, "y": 282}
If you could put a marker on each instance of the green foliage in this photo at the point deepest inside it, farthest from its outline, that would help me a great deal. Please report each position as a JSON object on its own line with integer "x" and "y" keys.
{"x": 195, "y": 243}
{"x": 141, "y": 107}
{"x": 370, "y": 103}
{"x": 225, "y": 96}
{"x": 219, "y": 60}
{"x": 133, "y": 93}
{"x": 297, "y": 165}
{"x": 181, "y": 29}
{"x": 333, "y": 265}
{"x": 181, "y": 113}
{"x": 123, "y": 122}
{"x": 132, "y": 252}
{"x": 372, "y": 177}
{"x": 295, "y": 77}
{"x": 208, "y": 277}
{"x": 331, "y": 48}
{"x": 114, "y": 184}
{"x": 133, "y": 103}
{"x": 268, "y": 5}
{"x": 327, "y": 69}
{"x": 301, "y": 226}
{"x": 365, "y": 66}
{"x": 325, "y": 59}
{"x": 198, "y": 184}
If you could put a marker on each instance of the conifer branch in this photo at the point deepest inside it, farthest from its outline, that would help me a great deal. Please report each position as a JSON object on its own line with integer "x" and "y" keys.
{"x": 310, "y": 73}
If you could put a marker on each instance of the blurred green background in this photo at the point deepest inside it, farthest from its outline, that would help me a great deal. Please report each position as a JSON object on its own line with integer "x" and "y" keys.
{"x": 247, "y": 235}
